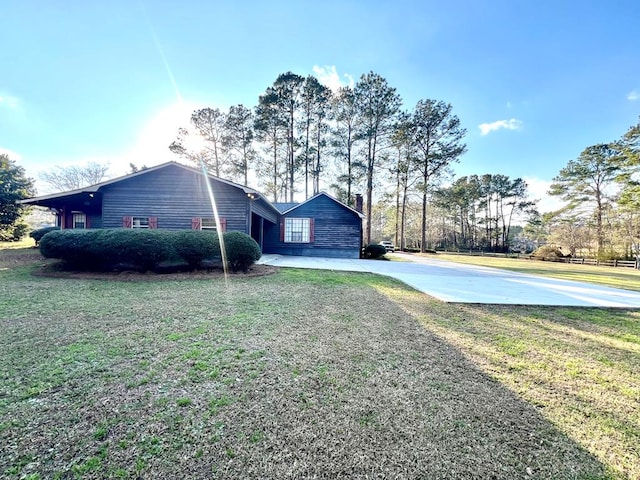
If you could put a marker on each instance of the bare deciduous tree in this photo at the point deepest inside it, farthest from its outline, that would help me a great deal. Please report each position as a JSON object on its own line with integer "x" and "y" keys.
{"x": 62, "y": 178}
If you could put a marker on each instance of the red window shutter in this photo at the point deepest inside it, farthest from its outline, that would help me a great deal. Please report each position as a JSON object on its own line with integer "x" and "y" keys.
{"x": 153, "y": 222}
{"x": 196, "y": 223}
{"x": 223, "y": 224}
{"x": 86, "y": 222}
{"x": 127, "y": 222}
{"x": 311, "y": 234}
{"x": 282, "y": 230}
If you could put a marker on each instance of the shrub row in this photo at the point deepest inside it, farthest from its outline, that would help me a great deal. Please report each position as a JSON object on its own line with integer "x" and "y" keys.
{"x": 119, "y": 248}
{"x": 41, "y": 232}
{"x": 374, "y": 251}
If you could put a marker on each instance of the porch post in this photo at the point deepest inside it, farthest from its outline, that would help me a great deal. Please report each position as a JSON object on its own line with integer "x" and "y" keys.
{"x": 261, "y": 233}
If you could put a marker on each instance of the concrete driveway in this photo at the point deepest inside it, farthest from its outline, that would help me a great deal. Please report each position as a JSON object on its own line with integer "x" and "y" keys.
{"x": 457, "y": 283}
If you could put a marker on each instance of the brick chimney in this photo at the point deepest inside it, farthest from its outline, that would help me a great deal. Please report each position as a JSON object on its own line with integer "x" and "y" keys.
{"x": 358, "y": 203}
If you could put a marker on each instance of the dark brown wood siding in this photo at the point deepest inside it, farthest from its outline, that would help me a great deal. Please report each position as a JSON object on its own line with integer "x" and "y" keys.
{"x": 262, "y": 208}
{"x": 337, "y": 231}
{"x": 175, "y": 196}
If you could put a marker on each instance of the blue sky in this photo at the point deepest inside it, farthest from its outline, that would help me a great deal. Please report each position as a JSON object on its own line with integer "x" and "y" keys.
{"x": 534, "y": 83}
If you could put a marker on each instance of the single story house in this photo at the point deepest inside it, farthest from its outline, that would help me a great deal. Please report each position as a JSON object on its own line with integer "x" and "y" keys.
{"x": 176, "y": 196}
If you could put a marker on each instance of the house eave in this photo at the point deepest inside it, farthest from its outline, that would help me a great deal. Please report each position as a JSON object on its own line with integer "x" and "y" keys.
{"x": 64, "y": 196}
{"x": 360, "y": 214}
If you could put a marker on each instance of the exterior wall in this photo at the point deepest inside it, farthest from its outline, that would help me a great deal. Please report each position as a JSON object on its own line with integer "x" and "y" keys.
{"x": 93, "y": 216}
{"x": 174, "y": 195}
{"x": 94, "y": 220}
{"x": 260, "y": 207}
{"x": 337, "y": 231}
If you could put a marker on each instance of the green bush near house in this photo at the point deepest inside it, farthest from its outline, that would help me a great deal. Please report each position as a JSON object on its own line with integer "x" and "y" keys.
{"x": 195, "y": 246}
{"x": 106, "y": 249}
{"x": 374, "y": 251}
{"x": 74, "y": 247}
{"x": 41, "y": 232}
{"x": 132, "y": 249}
{"x": 242, "y": 250}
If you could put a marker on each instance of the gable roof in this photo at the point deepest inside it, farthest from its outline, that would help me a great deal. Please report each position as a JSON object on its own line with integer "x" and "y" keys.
{"x": 284, "y": 206}
{"x": 94, "y": 188}
{"x": 292, "y": 208}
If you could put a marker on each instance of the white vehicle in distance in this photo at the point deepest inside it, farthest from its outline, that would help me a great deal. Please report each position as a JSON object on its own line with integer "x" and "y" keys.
{"x": 389, "y": 247}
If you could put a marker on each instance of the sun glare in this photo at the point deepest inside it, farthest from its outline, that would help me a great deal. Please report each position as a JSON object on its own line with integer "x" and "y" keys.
{"x": 152, "y": 145}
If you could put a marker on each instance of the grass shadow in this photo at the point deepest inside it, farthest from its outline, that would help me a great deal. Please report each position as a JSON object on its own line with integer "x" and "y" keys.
{"x": 302, "y": 374}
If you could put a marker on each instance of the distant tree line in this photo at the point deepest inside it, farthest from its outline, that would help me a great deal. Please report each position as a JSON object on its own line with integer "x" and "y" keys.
{"x": 302, "y": 135}
{"x": 14, "y": 186}
{"x": 601, "y": 194}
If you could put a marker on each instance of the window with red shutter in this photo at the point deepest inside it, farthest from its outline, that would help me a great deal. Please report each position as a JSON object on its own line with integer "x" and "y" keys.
{"x": 208, "y": 224}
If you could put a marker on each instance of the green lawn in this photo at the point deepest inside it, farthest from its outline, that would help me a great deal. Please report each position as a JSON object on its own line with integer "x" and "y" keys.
{"x": 306, "y": 374}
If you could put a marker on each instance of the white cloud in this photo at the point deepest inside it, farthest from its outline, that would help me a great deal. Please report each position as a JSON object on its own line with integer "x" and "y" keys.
{"x": 511, "y": 124}
{"x": 9, "y": 101}
{"x": 633, "y": 95}
{"x": 328, "y": 76}
{"x": 12, "y": 155}
{"x": 537, "y": 189}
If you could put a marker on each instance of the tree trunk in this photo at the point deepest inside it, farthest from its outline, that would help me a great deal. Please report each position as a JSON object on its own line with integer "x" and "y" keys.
{"x": 275, "y": 169}
{"x": 370, "y": 166}
{"x": 397, "y": 205}
{"x": 349, "y": 172}
{"x": 306, "y": 161}
{"x": 423, "y": 238}
{"x": 291, "y": 157}
{"x": 599, "y": 228}
{"x": 316, "y": 170}
{"x": 403, "y": 219}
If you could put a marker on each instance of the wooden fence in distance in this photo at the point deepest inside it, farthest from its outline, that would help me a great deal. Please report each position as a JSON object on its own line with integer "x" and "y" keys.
{"x": 577, "y": 261}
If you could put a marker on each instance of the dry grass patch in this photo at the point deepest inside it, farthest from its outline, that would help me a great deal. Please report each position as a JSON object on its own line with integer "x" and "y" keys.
{"x": 578, "y": 367}
{"x": 301, "y": 374}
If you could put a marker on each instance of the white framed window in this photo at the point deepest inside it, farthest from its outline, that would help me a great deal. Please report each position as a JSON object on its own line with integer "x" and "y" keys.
{"x": 297, "y": 230}
{"x": 79, "y": 220}
{"x": 140, "y": 222}
{"x": 208, "y": 224}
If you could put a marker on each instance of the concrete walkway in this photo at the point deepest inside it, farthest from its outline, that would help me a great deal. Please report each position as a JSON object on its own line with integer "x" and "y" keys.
{"x": 458, "y": 283}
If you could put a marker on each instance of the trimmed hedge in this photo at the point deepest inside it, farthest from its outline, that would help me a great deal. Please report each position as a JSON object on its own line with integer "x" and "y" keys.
{"x": 374, "y": 250}
{"x": 72, "y": 246}
{"x": 41, "y": 232}
{"x": 242, "y": 250}
{"x": 134, "y": 248}
{"x": 195, "y": 246}
{"x": 126, "y": 249}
